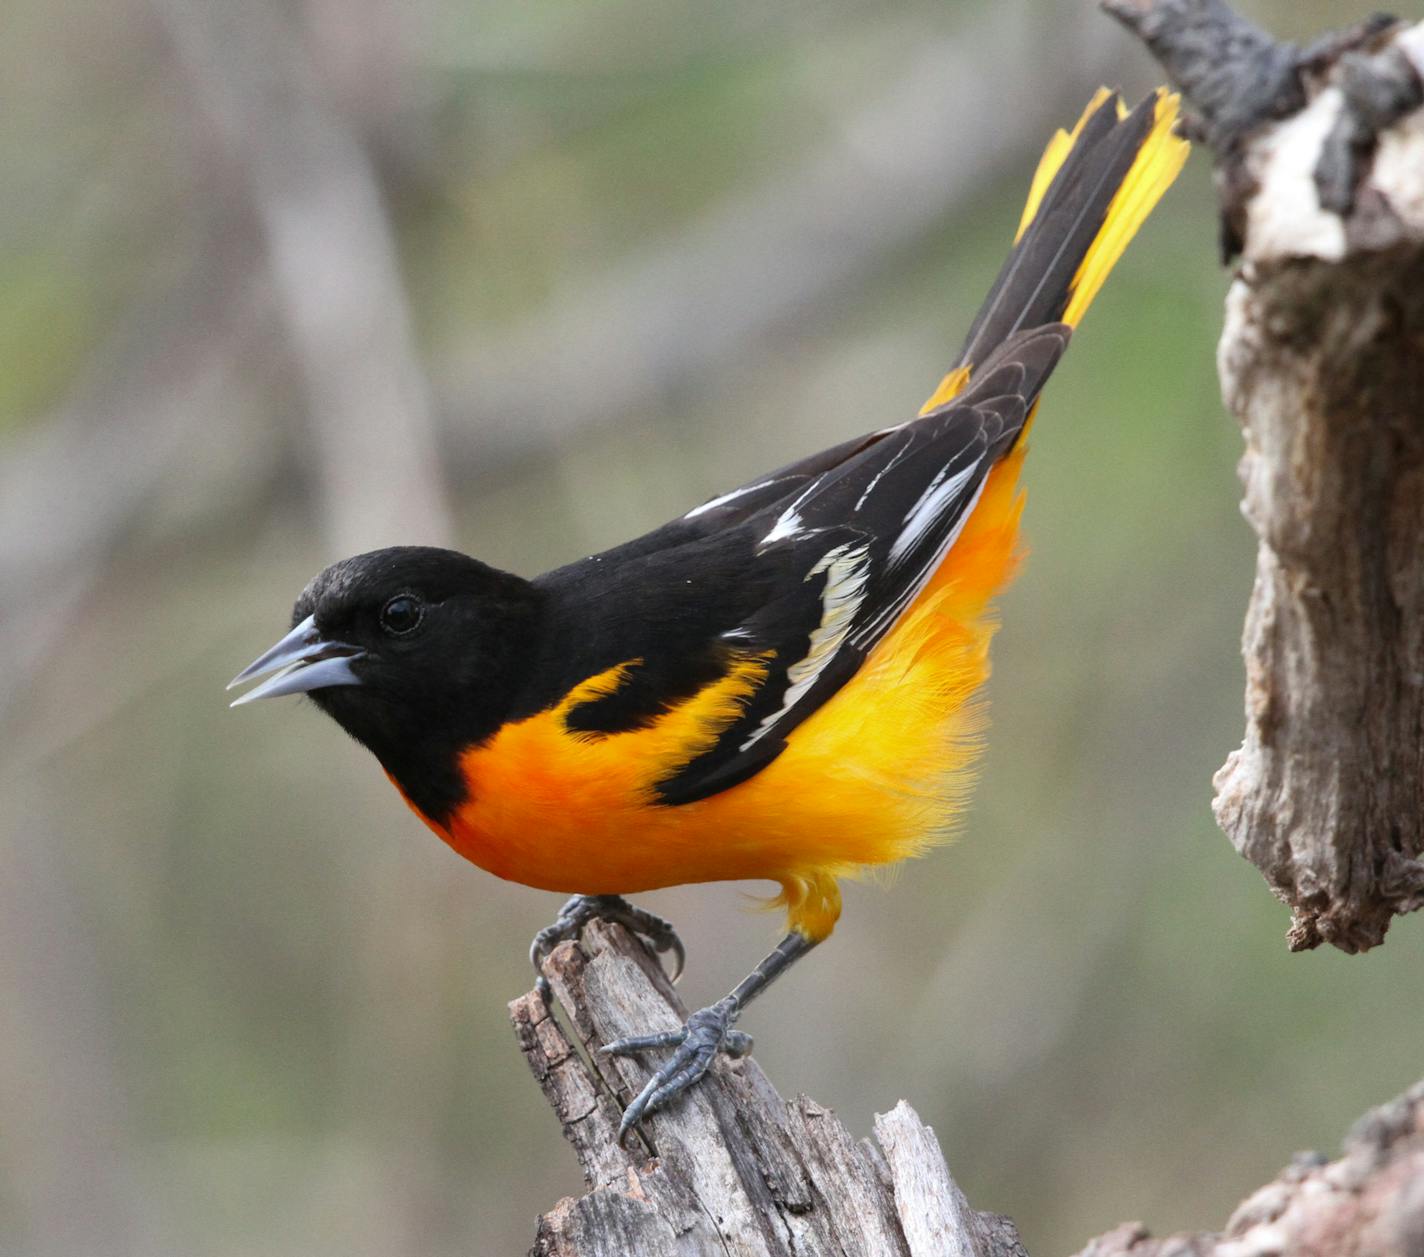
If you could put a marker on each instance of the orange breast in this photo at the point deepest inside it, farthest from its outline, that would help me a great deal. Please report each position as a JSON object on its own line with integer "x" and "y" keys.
{"x": 879, "y": 773}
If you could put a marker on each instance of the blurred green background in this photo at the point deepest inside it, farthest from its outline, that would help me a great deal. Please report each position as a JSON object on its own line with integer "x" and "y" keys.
{"x": 265, "y": 268}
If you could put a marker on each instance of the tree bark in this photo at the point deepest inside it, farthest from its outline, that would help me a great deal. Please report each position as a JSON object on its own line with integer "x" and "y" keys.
{"x": 1320, "y": 162}
{"x": 730, "y": 1168}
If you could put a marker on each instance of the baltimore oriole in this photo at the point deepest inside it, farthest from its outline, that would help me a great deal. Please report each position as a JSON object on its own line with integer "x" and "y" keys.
{"x": 775, "y": 685}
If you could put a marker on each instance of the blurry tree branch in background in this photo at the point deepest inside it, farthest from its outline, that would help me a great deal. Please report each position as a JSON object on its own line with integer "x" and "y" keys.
{"x": 1321, "y": 172}
{"x": 288, "y": 217}
{"x": 333, "y": 264}
{"x": 224, "y": 348}
{"x": 292, "y": 222}
{"x": 123, "y": 430}
{"x": 261, "y": 311}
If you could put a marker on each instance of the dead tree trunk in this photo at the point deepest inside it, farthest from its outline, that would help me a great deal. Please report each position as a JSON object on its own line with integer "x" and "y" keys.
{"x": 731, "y": 1168}
{"x": 1320, "y": 163}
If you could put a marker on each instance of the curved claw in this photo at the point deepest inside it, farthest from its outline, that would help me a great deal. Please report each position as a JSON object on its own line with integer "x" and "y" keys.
{"x": 573, "y": 916}
{"x": 642, "y": 1042}
{"x": 679, "y": 958}
{"x": 656, "y": 934}
{"x": 541, "y": 946}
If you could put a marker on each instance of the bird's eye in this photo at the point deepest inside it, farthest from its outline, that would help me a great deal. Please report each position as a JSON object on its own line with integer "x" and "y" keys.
{"x": 401, "y": 615}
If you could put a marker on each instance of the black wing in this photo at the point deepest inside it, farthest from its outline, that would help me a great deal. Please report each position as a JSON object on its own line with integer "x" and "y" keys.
{"x": 838, "y": 562}
{"x": 809, "y": 567}
{"x": 728, "y": 510}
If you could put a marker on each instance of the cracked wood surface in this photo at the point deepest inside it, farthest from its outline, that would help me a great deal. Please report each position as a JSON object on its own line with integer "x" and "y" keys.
{"x": 1322, "y": 361}
{"x": 731, "y": 1168}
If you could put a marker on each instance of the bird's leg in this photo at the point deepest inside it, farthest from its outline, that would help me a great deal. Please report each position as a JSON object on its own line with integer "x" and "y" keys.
{"x": 656, "y": 934}
{"x": 707, "y": 1032}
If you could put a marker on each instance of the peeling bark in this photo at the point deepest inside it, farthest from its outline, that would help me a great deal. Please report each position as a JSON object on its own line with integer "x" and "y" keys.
{"x": 732, "y": 1168}
{"x": 1322, "y": 361}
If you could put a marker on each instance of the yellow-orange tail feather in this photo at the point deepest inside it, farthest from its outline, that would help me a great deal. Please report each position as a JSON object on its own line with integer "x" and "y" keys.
{"x": 1159, "y": 162}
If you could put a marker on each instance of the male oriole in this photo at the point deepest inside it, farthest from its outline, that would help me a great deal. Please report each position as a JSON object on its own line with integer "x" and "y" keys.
{"x": 773, "y": 685}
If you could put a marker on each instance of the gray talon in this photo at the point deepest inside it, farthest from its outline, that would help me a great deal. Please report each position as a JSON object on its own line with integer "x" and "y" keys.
{"x": 707, "y": 1032}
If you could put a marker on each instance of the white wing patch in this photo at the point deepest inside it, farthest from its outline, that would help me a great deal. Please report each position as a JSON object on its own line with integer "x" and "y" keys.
{"x": 727, "y": 497}
{"x": 870, "y": 631}
{"x": 788, "y": 523}
{"x": 923, "y": 515}
{"x": 847, "y": 569}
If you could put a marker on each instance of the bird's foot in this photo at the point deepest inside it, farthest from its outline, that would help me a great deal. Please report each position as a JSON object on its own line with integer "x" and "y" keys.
{"x": 707, "y": 1032}
{"x": 656, "y": 934}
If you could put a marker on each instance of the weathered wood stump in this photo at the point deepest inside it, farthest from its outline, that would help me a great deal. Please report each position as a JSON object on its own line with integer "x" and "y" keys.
{"x": 1369, "y": 1203}
{"x": 730, "y": 1168}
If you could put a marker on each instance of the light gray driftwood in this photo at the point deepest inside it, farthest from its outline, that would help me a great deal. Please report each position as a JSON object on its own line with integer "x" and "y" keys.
{"x": 732, "y": 1169}
{"x": 1321, "y": 169}
{"x": 1369, "y": 1203}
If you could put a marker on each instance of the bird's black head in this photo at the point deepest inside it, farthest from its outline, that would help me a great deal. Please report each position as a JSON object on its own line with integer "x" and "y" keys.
{"x": 416, "y": 652}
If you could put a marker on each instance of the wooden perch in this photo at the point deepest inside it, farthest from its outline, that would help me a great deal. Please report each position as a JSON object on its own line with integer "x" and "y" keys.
{"x": 731, "y": 1168}
{"x": 1320, "y": 165}
{"x": 1370, "y": 1203}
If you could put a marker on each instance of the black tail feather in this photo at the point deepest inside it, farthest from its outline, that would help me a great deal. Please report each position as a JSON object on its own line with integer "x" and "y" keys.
{"x": 1036, "y": 281}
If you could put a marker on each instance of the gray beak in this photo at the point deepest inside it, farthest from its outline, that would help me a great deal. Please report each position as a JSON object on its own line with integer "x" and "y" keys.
{"x": 303, "y": 660}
